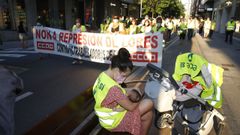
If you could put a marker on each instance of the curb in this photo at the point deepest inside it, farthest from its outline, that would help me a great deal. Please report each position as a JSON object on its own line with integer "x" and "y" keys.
{"x": 92, "y": 116}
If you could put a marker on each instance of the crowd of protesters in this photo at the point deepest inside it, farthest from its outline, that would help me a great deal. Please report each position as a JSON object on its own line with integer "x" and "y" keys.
{"x": 130, "y": 25}
{"x": 184, "y": 27}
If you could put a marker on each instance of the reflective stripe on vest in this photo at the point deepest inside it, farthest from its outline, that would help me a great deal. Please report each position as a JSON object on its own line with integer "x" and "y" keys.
{"x": 217, "y": 73}
{"x": 107, "y": 122}
{"x": 216, "y": 98}
{"x": 108, "y": 118}
{"x": 230, "y": 26}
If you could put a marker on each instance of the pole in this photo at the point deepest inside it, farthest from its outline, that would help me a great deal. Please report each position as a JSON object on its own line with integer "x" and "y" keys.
{"x": 141, "y": 9}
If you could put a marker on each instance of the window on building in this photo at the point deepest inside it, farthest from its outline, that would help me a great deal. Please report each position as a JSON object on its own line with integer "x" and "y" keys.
{"x": 61, "y": 5}
{"x": 43, "y": 12}
{"x": 5, "y": 22}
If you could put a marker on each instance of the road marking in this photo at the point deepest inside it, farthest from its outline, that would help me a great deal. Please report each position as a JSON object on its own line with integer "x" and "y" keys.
{"x": 18, "y": 98}
{"x": 96, "y": 130}
{"x": 18, "y": 51}
{"x": 175, "y": 40}
{"x": 81, "y": 125}
{"x": 12, "y": 55}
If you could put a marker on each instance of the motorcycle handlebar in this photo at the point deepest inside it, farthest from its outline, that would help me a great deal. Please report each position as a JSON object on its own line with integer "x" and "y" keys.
{"x": 159, "y": 72}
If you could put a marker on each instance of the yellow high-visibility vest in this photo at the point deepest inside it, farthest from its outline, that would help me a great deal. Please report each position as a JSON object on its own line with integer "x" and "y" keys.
{"x": 82, "y": 29}
{"x": 108, "y": 118}
{"x": 191, "y": 64}
{"x": 231, "y": 25}
{"x": 213, "y": 25}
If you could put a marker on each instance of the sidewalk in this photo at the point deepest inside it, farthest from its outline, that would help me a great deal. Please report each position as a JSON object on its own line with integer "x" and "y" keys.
{"x": 16, "y": 44}
{"x": 217, "y": 51}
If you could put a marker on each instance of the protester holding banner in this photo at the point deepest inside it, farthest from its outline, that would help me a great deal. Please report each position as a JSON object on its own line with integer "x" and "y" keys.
{"x": 146, "y": 26}
{"x": 135, "y": 118}
{"x": 133, "y": 28}
{"x": 115, "y": 26}
{"x": 78, "y": 27}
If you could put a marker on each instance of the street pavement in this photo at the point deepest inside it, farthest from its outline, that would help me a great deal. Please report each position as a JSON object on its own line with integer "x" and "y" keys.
{"x": 215, "y": 50}
{"x": 50, "y": 82}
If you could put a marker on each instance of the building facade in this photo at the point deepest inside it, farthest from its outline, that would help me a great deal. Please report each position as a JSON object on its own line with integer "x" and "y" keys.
{"x": 219, "y": 10}
{"x": 60, "y": 13}
{"x": 223, "y": 11}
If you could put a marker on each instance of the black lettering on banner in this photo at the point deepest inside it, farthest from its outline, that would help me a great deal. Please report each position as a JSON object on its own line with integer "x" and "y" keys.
{"x": 97, "y": 54}
{"x": 65, "y": 49}
{"x": 110, "y": 54}
{"x": 86, "y": 52}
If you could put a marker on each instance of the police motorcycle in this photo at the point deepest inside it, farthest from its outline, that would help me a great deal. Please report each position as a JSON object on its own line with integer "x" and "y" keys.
{"x": 172, "y": 111}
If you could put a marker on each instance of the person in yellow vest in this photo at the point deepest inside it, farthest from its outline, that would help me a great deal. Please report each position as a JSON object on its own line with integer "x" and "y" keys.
{"x": 230, "y": 28}
{"x": 78, "y": 27}
{"x": 208, "y": 75}
{"x": 133, "y": 29}
{"x": 182, "y": 29}
{"x": 147, "y": 27}
{"x": 103, "y": 26}
{"x": 212, "y": 29}
{"x": 135, "y": 118}
{"x": 116, "y": 27}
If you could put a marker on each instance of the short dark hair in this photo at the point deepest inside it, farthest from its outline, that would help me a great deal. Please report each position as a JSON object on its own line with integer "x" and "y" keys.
{"x": 122, "y": 60}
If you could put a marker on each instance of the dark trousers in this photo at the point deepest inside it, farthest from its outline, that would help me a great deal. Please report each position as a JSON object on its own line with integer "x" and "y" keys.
{"x": 210, "y": 34}
{"x": 169, "y": 34}
{"x": 182, "y": 35}
{"x": 229, "y": 33}
{"x": 190, "y": 34}
{"x": 165, "y": 36}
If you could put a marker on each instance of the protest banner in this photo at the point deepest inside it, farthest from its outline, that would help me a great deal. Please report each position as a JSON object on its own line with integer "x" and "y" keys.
{"x": 98, "y": 47}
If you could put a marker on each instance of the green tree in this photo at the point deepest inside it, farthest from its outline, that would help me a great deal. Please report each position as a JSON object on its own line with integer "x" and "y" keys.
{"x": 165, "y": 8}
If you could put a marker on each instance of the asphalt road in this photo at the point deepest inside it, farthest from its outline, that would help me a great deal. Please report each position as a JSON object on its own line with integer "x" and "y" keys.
{"x": 50, "y": 82}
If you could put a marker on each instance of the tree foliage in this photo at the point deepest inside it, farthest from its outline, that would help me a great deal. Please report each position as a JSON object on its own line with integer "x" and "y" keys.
{"x": 165, "y": 8}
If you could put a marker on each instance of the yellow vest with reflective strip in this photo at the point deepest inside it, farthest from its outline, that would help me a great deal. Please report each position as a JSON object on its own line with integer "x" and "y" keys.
{"x": 191, "y": 64}
{"x": 213, "y": 25}
{"x": 230, "y": 25}
{"x": 83, "y": 28}
{"x": 108, "y": 118}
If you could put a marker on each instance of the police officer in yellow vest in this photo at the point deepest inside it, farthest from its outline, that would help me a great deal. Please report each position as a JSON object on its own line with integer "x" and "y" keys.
{"x": 209, "y": 76}
{"x": 230, "y": 28}
{"x": 106, "y": 106}
{"x": 212, "y": 28}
